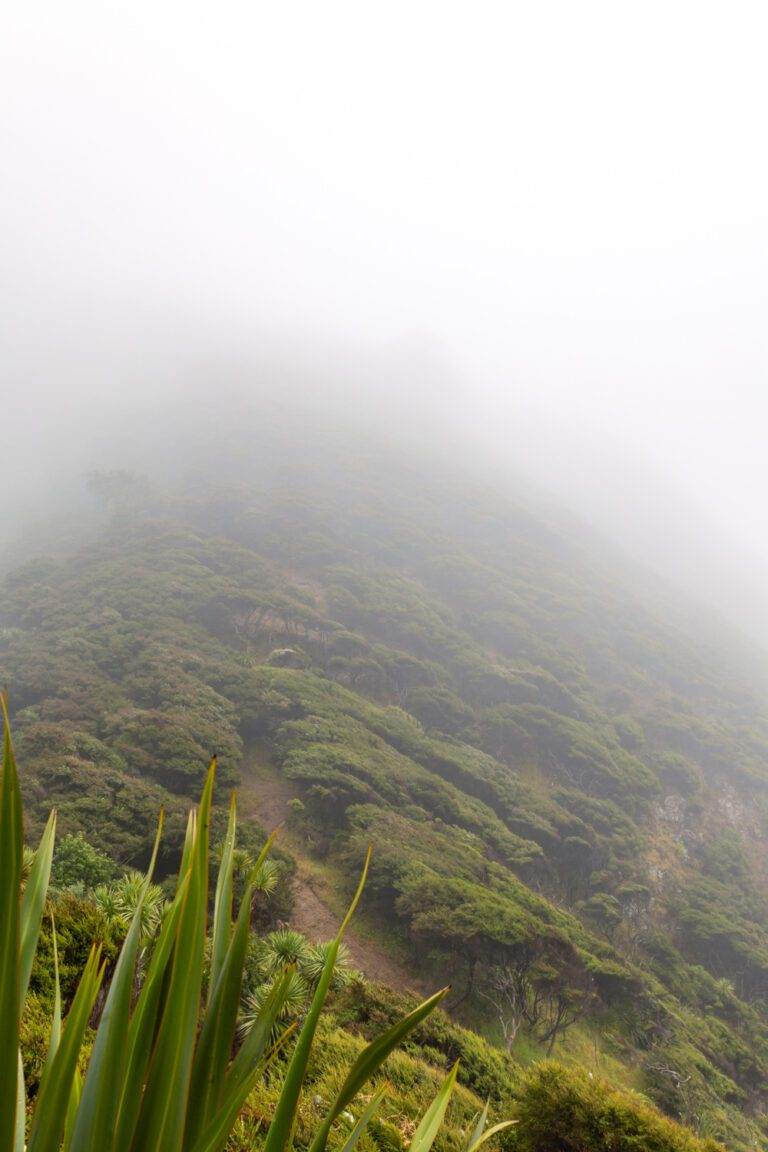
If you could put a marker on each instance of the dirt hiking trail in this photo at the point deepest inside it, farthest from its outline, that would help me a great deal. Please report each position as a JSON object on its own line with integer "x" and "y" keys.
{"x": 264, "y": 796}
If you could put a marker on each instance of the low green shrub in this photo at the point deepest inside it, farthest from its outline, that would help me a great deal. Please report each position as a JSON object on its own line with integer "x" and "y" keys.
{"x": 565, "y": 1110}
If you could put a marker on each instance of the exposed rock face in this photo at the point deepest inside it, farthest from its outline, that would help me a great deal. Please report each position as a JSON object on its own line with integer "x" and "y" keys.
{"x": 672, "y": 810}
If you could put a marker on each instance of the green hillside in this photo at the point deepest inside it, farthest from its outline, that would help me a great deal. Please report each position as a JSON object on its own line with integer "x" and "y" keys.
{"x": 565, "y": 786}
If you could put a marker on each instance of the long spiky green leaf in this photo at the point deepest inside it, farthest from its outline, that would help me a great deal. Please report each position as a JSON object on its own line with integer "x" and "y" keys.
{"x": 367, "y": 1115}
{"x": 222, "y": 905}
{"x": 55, "y": 1039}
{"x": 256, "y": 1042}
{"x": 141, "y": 1031}
{"x": 55, "y": 1090}
{"x": 21, "y": 1101}
{"x": 97, "y": 1113}
{"x": 72, "y": 1107}
{"x": 33, "y": 902}
{"x": 482, "y": 1120}
{"x": 370, "y": 1060}
{"x": 424, "y": 1136}
{"x": 218, "y": 1032}
{"x": 489, "y": 1132}
{"x": 242, "y": 1078}
{"x": 280, "y": 1131}
{"x": 11, "y": 852}
{"x": 164, "y": 1105}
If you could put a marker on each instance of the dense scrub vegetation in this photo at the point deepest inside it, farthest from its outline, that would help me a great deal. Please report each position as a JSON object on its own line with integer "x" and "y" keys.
{"x": 164, "y": 1066}
{"x": 565, "y": 787}
{"x": 161, "y": 1073}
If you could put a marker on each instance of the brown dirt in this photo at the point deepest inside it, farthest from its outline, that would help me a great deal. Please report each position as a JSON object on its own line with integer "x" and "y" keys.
{"x": 264, "y": 796}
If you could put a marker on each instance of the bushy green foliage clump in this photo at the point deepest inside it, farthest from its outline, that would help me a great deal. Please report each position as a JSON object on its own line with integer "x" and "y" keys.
{"x": 562, "y": 1110}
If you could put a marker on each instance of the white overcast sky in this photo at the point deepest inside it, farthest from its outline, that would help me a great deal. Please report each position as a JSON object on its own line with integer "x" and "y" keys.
{"x": 564, "y": 203}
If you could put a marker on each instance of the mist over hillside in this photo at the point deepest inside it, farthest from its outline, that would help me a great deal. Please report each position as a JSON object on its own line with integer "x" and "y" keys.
{"x": 563, "y": 778}
{"x": 156, "y": 396}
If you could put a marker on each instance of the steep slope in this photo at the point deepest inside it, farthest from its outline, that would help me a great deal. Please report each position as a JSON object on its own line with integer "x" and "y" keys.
{"x": 566, "y": 788}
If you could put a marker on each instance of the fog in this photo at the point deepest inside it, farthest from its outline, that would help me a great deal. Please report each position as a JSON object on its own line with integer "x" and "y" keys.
{"x": 529, "y": 237}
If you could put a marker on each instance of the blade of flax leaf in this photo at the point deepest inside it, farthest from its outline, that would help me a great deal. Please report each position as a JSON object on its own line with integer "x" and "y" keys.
{"x": 11, "y": 850}
{"x": 492, "y": 1131}
{"x": 216, "y": 1135}
{"x": 280, "y": 1131}
{"x": 248, "y": 1065}
{"x": 161, "y": 1120}
{"x": 95, "y": 1124}
{"x": 369, "y": 1112}
{"x": 482, "y": 1120}
{"x": 222, "y": 905}
{"x": 74, "y": 1095}
{"x": 141, "y": 1032}
{"x": 54, "y": 1094}
{"x": 218, "y": 1032}
{"x": 55, "y": 1039}
{"x": 424, "y": 1136}
{"x": 255, "y": 1043}
{"x": 72, "y": 1107}
{"x": 21, "y": 1103}
{"x": 370, "y": 1060}
{"x": 33, "y": 902}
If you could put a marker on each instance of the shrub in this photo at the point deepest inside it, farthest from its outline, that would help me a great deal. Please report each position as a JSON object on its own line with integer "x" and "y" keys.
{"x": 77, "y": 864}
{"x": 563, "y": 1110}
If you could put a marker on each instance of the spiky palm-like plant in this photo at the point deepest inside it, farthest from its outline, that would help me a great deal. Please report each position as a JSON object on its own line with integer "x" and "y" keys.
{"x": 282, "y": 947}
{"x": 314, "y": 965}
{"x": 161, "y": 1076}
{"x": 265, "y": 877}
{"x": 131, "y": 893}
{"x": 297, "y": 997}
{"x": 106, "y": 900}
